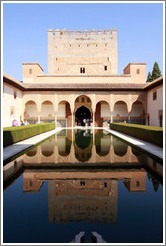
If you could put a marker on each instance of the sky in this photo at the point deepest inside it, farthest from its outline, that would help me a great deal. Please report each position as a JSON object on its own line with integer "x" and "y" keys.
{"x": 139, "y": 29}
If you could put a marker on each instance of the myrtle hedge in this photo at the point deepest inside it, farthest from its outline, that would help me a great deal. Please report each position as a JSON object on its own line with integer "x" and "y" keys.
{"x": 15, "y": 134}
{"x": 151, "y": 134}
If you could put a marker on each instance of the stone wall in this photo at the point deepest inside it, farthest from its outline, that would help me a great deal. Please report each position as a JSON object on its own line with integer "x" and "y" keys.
{"x": 69, "y": 52}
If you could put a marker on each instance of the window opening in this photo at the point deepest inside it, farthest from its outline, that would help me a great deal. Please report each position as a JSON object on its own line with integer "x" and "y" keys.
{"x": 154, "y": 95}
{"x": 15, "y": 94}
{"x": 138, "y": 71}
{"x": 82, "y": 70}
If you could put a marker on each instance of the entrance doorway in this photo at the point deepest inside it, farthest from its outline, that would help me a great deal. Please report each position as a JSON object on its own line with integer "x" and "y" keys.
{"x": 82, "y": 116}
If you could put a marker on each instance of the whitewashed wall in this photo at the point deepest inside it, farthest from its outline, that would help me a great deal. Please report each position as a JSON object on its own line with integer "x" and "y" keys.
{"x": 10, "y": 102}
{"x": 105, "y": 110}
{"x": 153, "y": 106}
{"x": 120, "y": 109}
{"x": 61, "y": 111}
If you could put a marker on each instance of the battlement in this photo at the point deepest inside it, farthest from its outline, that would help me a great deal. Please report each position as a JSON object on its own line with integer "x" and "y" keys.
{"x": 90, "y": 52}
{"x": 64, "y": 31}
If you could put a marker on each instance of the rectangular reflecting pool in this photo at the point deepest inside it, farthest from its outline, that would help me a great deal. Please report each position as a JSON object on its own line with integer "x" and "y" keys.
{"x": 83, "y": 181}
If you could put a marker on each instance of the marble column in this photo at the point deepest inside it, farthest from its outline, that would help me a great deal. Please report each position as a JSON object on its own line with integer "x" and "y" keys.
{"x": 38, "y": 117}
{"x": 93, "y": 119}
{"x": 55, "y": 119}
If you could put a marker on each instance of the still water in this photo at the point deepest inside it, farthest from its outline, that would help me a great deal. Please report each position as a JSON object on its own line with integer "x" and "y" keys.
{"x": 83, "y": 181}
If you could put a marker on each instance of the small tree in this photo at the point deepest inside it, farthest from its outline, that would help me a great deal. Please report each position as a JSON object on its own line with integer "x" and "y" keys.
{"x": 149, "y": 78}
{"x": 156, "y": 73}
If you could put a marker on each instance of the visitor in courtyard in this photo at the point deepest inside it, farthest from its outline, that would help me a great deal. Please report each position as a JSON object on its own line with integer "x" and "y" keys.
{"x": 22, "y": 123}
{"x": 14, "y": 123}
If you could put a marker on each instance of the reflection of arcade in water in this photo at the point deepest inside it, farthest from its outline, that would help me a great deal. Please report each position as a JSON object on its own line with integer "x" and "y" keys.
{"x": 74, "y": 191}
{"x": 70, "y": 147}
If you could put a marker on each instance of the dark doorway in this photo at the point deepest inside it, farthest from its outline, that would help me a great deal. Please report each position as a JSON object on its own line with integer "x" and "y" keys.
{"x": 82, "y": 116}
{"x": 161, "y": 120}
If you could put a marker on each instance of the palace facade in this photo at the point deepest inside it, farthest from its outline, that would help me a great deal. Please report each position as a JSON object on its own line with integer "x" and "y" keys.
{"x": 82, "y": 85}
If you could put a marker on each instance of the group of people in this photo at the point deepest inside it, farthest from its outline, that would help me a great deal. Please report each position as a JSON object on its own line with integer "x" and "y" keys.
{"x": 83, "y": 122}
{"x": 15, "y": 123}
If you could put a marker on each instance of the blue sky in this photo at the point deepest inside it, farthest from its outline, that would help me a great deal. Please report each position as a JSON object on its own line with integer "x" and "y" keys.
{"x": 139, "y": 28}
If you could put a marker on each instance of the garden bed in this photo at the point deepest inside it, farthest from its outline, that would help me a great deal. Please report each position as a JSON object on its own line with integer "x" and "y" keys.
{"x": 151, "y": 134}
{"x": 15, "y": 134}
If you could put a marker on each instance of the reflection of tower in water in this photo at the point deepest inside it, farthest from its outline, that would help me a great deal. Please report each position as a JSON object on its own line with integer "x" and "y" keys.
{"x": 84, "y": 194}
{"x": 82, "y": 200}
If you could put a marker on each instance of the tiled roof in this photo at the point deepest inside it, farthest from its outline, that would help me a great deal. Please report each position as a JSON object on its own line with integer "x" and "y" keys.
{"x": 153, "y": 84}
{"x": 12, "y": 81}
{"x": 93, "y": 86}
{"x": 112, "y": 86}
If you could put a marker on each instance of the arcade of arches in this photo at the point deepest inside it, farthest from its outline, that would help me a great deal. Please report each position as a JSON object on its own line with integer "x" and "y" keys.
{"x": 85, "y": 111}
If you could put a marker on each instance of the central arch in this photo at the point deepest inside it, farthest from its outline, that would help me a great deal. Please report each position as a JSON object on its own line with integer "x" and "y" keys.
{"x": 82, "y": 116}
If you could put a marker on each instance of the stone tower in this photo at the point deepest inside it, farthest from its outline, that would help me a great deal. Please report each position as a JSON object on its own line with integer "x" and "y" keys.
{"x": 82, "y": 53}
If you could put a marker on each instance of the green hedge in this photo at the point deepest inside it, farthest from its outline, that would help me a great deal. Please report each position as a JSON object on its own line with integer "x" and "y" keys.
{"x": 15, "y": 134}
{"x": 152, "y": 134}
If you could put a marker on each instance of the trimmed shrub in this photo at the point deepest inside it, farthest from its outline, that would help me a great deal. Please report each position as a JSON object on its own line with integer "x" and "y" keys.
{"x": 151, "y": 134}
{"x": 15, "y": 134}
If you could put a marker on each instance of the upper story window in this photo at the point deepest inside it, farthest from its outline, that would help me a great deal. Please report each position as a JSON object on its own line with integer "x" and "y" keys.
{"x": 154, "y": 95}
{"x": 82, "y": 70}
{"x": 30, "y": 71}
{"x": 15, "y": 94}
{"x": 83, "y": 99}
{"x": 105, "y": 68}
{"x": 138, "y": 71}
